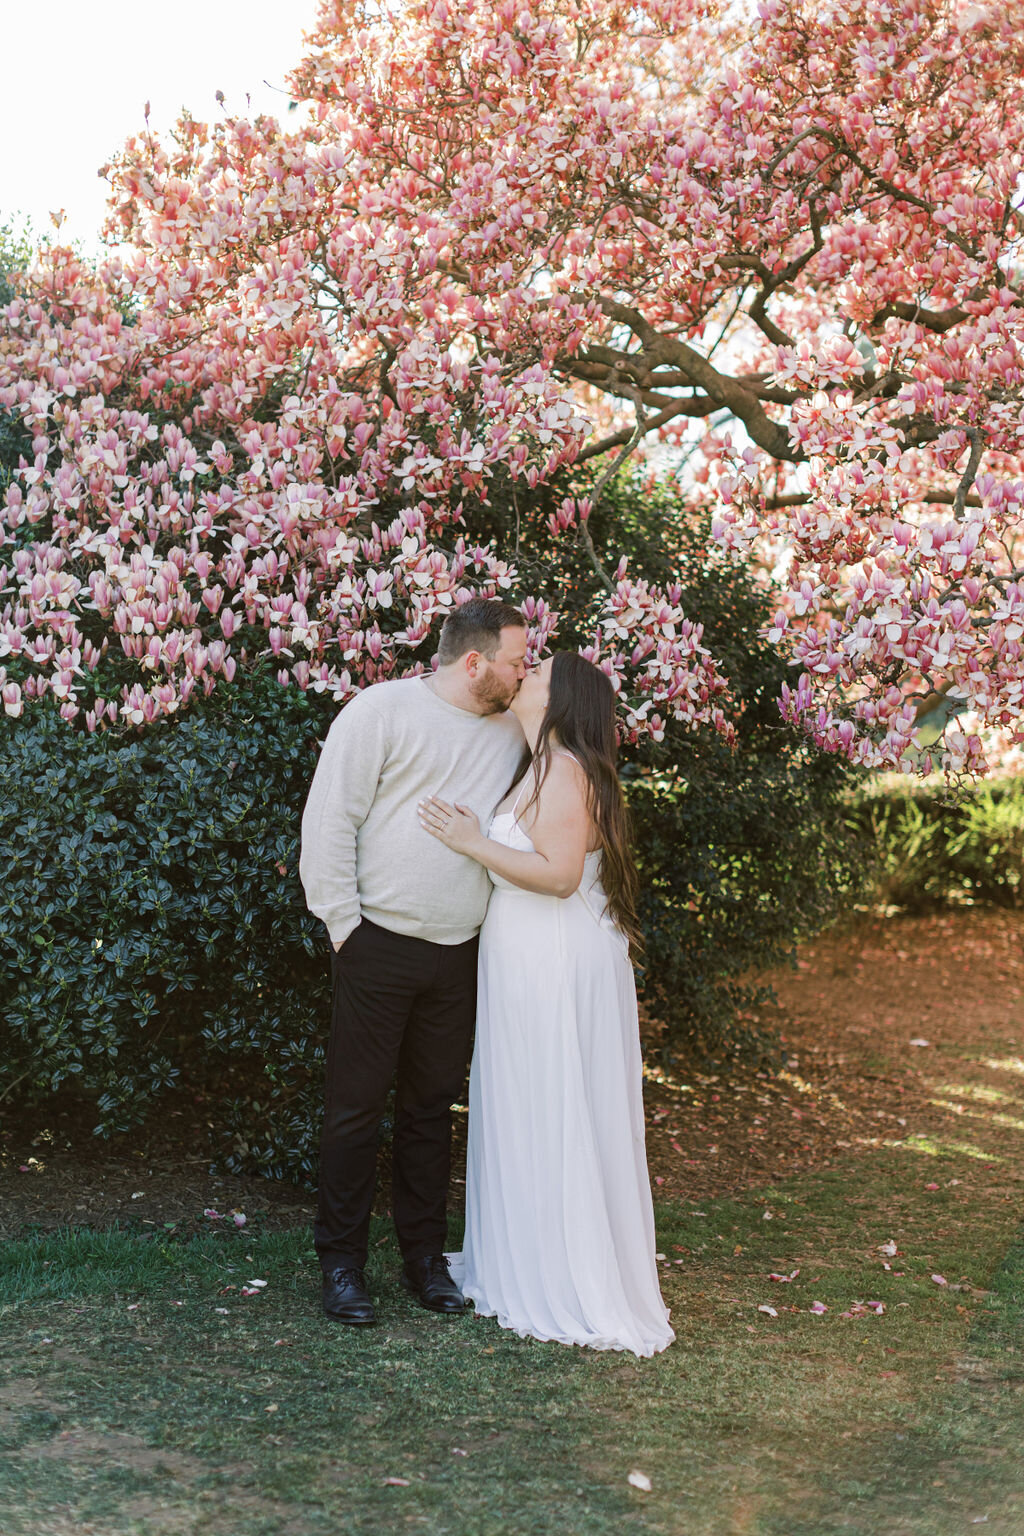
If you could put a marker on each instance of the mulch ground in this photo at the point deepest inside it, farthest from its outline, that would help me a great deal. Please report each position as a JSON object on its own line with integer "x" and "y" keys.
{"x": 874, "y": 1019}
{"x": 852, "y": 1016}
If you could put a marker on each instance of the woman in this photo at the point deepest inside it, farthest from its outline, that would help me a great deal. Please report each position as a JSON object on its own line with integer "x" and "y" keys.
{"x": 559, "y": 1222}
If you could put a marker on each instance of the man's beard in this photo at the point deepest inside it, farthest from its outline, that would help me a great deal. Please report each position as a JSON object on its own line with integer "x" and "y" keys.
{"x": 492, "y": 695}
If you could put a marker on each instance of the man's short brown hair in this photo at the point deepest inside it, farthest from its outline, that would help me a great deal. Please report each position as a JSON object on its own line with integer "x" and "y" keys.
{"x": 476, "y": 626}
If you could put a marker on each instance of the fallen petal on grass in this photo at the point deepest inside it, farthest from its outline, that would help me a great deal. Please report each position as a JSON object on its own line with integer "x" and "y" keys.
{"x": 770, "y": 1311}
{"x": 940, "y": 1280}
{"x": 396, "y": 1482}
{"x": 640, "y": 1480}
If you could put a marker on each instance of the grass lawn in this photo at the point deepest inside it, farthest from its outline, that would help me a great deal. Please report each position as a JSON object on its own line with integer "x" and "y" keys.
{"x": 142, "y": 1392}
{"x": 141, "y": 1396}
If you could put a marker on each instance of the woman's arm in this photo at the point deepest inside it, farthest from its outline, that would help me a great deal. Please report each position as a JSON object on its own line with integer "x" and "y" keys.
{"x": 559, "y": 832}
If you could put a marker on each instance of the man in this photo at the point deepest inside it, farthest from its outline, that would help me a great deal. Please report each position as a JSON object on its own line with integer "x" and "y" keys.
{"x": 403, "y": 913}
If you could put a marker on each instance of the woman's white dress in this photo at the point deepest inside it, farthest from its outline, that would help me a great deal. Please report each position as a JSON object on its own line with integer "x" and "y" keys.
{"x": 559, "y": 1221}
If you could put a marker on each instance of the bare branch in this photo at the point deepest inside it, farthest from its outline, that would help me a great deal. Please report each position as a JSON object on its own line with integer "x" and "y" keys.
{"x": 783, "y": 154}
{"x": 933, "y": 498}
{"x": 588, "y": 544}
{"x": 938, "y": 320}
{"x": 977, "y": 442}
{"x": 759, "y": 315}
{"x": 722, "y": 389}
{"x": 615, "y": 439}
{"x": 640, "y": 430}
{"x": 606, "y": 367}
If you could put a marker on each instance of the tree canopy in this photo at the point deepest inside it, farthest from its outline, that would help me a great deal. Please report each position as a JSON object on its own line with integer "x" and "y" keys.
{"x": 501, "y": 240}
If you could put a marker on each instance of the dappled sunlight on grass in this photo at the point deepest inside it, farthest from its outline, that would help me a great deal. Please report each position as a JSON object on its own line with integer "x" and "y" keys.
{"x": 994, "y": 1117}
{"x": 979, "y": 1091}
{"x": 657, "y": 1075}
{"x": 794, "y": 1080}
{"x": 1002, "y": 1064}
{"x": 941, "y": 1146}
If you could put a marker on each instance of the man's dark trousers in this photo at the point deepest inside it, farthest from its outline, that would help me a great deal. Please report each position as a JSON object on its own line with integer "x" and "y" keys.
{"x": 401, "y": 1006}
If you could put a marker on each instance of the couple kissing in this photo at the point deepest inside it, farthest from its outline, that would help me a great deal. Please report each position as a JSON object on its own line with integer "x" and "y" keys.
{"x": 465, "y": 843}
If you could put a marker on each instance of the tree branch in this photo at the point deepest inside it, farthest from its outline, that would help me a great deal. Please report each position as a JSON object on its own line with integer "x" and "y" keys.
{"x": 640, "y": 430}
{"x": 900, "y": 194}
{"x": 801, "y": 498}
{"x": 938, "y": 320}
{"x": 723, "y": 390}
{"x": 615, "y": 439}
{"x": 977, "y": 442}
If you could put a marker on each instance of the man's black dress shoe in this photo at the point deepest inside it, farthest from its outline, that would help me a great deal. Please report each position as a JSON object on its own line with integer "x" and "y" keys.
{"x": 345, "y": 1297}
{"x": 432, "y": 1285}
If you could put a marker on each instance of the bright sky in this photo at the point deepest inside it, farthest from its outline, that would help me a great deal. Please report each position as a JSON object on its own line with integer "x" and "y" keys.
{"x": 77, "y": 74}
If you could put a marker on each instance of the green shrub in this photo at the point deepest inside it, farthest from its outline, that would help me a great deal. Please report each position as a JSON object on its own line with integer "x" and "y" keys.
{"x": 153, "y": 932}
{"x": 739, "y": 862}
{"x": 930, "y": 847}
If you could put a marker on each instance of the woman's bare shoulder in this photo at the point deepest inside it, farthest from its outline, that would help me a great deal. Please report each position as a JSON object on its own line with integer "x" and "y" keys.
{"x": 566, "y": 776}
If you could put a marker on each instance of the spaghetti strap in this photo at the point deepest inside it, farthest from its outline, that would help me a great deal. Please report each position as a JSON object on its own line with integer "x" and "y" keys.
{"x": 515, "y": 802}
{"x": 559, "y": 752}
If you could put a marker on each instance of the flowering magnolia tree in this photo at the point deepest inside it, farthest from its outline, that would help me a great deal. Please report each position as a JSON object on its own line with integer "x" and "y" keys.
{"x": 263, "y": 437}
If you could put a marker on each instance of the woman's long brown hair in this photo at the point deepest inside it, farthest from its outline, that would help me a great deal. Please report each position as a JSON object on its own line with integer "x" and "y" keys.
{"x": 581, "y": 717}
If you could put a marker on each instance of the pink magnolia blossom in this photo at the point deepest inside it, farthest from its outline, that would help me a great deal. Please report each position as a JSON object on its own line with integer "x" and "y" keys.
{"x": 502, "y": 240}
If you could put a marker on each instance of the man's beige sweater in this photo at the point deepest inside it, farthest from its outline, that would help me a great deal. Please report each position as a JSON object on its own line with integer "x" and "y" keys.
{"x": 364, "y": 852}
